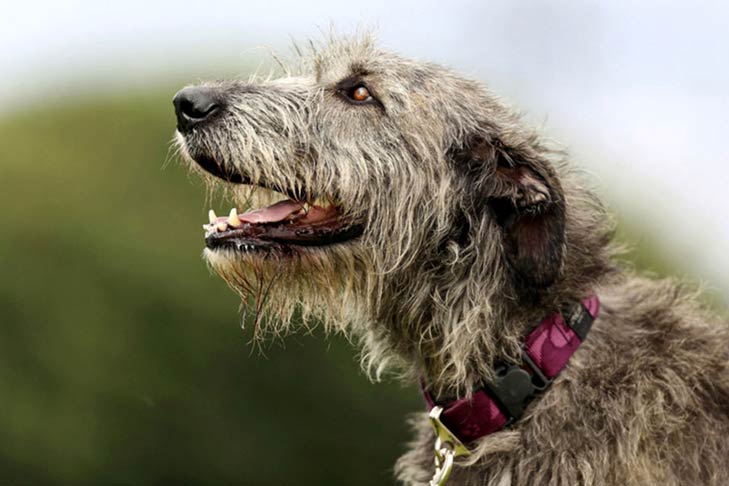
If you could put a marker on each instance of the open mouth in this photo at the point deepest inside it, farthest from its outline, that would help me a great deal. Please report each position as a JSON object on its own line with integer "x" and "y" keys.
{"x": 284, "y": 225}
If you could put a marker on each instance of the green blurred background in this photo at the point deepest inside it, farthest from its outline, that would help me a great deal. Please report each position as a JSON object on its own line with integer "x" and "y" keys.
{"x": 122, "y": 360}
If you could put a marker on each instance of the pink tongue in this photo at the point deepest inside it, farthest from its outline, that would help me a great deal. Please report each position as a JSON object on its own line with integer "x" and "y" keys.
{"x": 318, "y": 213}
{"x": 272, "y": 214}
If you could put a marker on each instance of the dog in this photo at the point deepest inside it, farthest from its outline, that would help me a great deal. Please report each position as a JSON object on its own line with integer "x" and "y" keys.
{"x": 417, "y": 213}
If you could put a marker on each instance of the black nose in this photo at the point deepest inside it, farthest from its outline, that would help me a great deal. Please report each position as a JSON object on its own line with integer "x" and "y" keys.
{"x": 194, "y": 105}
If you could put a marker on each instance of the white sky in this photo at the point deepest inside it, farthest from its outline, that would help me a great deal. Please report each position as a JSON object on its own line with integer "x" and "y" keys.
{"x": 638, "y": 90}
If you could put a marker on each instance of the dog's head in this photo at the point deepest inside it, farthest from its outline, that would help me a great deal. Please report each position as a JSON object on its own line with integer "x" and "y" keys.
{"x": 405, "y": 198}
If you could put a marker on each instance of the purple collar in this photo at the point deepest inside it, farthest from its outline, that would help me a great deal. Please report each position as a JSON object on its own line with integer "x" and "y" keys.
{"x": 546, "y": 351}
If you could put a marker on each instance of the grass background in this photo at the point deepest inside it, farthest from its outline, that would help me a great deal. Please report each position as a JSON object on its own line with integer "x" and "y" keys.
{"x": 121, "y": 357}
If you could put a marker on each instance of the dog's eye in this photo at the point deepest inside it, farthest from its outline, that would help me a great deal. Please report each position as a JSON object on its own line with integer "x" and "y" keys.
{"x": 360, "y": 93}
{"x": 356, "y": 92}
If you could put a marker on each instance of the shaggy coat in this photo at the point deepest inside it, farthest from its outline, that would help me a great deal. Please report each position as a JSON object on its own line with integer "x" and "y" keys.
{"x": 474, "y": 229}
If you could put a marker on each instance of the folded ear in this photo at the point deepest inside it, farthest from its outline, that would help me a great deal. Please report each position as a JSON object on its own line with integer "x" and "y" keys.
{"x": 525, "y": 198}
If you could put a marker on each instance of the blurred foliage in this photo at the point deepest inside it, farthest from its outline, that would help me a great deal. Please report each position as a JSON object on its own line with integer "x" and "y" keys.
{"x": 121, "y": 358}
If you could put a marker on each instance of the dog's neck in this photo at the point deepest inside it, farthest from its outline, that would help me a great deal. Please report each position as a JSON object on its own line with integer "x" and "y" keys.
{"x": 450, "y": 335}
{"x": 497, "y": 338}
{"x": 546, "y": 350}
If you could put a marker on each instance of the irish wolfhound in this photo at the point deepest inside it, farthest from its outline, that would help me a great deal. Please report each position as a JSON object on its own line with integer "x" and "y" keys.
{"x": 415, "y": 212}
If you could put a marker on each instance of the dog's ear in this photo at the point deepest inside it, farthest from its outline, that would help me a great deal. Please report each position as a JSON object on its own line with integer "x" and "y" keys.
{"x": 523, "y": 195}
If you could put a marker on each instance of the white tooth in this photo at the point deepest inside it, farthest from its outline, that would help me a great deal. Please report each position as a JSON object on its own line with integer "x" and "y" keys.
{"x": 222, "y": 226}
{"x": 234, "y": 220}
{"x": 211, "y": 216}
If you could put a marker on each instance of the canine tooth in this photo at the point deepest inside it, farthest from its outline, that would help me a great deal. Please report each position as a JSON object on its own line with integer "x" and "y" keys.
{"x": 234, "y": 220}
{"x": 211, "y": 216}
{"x": 222, "y": 226}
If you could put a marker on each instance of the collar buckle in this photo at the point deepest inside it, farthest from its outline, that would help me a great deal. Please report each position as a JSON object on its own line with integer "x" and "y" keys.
{"x": 515, "y": 386}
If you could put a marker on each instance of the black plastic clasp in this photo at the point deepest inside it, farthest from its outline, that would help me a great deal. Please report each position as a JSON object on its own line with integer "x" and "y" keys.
{"x": 515, "y": 386}
{"x": 579, "y": 319}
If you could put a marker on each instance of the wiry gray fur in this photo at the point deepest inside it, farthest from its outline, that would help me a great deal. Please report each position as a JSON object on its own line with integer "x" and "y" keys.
{"x": 475, "y": 230}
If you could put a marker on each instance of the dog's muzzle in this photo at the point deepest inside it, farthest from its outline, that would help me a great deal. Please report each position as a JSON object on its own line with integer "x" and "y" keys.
{"x": 195, "y": 105}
